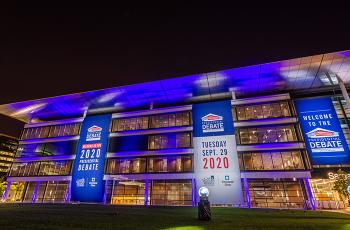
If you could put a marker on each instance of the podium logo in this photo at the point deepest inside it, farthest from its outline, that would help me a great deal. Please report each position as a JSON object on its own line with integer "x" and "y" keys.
{"x": 319, "y": 132}
{"x": 80, "y": 182}
{"x": 94, "y": 133}
{"x": 212, "y": 123}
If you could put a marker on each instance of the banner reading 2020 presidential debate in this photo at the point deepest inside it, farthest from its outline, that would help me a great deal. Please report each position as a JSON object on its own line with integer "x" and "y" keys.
{"x": 215, "y": 152}
{"x": 322, "y": 132}
{"x": 87, "y": 176}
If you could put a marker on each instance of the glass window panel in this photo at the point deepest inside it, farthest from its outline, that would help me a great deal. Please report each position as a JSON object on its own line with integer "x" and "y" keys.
{"x": 257, "y": 162}
{"x": 267, "y": 161}
{"x": 277, "y": 160}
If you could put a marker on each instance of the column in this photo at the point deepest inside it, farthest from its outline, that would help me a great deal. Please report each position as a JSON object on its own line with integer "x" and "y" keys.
{"x": 146, "y": 191}
{"x": 194, "y": 192}
{"x": 246, "y": 190}
{"x": 4, "y": 196}
{"x": 35, "y": 194}
{"x": 67, "y": 198}
{"x": 105, "y": 192}
{"x": 309, "y": 193}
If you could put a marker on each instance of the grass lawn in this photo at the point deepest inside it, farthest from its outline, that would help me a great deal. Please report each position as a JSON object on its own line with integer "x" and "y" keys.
{"x": 26, "y": 216}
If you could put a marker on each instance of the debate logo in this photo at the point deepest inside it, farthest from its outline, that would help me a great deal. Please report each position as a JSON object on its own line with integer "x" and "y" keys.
{"x": 80, "y": 182}
{"x": 212, "y": 123}
{"x": 94, "y": 133}
{"x": 319, "y": 132}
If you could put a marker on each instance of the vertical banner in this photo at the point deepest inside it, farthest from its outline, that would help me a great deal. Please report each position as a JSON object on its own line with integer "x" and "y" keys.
{"x": 87, "y": 176}
{"x": 324, "y": 137}
{"x": 215, "y": 152}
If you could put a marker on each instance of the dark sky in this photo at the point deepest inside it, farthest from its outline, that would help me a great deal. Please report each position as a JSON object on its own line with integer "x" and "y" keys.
{"x": 48, "y": 50}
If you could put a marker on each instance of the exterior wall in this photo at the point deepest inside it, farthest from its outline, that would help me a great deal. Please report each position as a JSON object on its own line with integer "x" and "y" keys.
{"x": 150, "y": 157}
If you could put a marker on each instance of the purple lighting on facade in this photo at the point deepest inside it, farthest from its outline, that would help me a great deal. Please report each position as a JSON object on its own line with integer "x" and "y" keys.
{"x": 309, "y": 193}
{"x": 4, "y": 196}
{"x": 194, "y": 192}
{"x": 146, "y": 192}
{"x": 35, "y": 194}
{"x": 246, "y": 189}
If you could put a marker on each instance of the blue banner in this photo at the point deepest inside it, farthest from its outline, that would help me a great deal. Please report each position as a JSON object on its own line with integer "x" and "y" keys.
{"x": 87, "y": 176}
{"x": 324, "y": 137}
{"x": 212, "y": 119}
{"x": 215, "y": 152}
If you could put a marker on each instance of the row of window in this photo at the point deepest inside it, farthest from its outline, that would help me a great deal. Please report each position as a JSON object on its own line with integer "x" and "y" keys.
{"x": 266, "y": 134}
{"x": 51, "y": 131}
{"x": 166, "y": 141}
{"x": 290, "y": 160}
{"x": 47, "y": 149}
{"x": 153, "y": 142}
{"x": 37, "y": 168}
{"x": 149, "y": 122}
{"x": 276, "y": 194}
{"x": 261, "y": 111}
{"x": 47, "y": 192}
{"x": 159, "y": 164}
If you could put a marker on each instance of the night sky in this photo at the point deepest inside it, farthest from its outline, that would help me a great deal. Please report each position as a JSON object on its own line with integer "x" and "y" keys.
{"x": 54, "y": 50}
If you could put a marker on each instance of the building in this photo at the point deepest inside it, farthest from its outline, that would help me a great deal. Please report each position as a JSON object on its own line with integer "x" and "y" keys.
{"x": 271, "y": 135}
{"x": 8, "y": 148}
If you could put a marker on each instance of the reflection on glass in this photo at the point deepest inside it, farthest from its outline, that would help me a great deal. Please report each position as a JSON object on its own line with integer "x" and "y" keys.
{"x": 267, "y": 134}
{"x": 287, "y": 160}
{"x": 261, "y": 111}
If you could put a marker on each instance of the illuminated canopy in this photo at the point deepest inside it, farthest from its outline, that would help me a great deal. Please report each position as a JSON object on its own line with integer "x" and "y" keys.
{"x": 313, "y": 72}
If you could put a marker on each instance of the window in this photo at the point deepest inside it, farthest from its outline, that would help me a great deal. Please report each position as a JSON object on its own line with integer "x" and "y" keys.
{"x": 154, "y": 164}
{"x": 64, "y": 130}
{"x": 266, "y": 193}
{"x": 261, "y": 111}
{"x": 24, "y": 169}
{"x": 31, "y": 187}
{"x": 267, "y": 135}
{"x": 47, "y": 149}
{"x": 125, "y": 124}
{"x": 125, "y": 165}
{"x": 51, "y": 168}
{"x": 171, "y": 192}
{"x": 288, "y": 160}
{"x": 51, "y": 131}
{"x": 56, "y": 191}
{"x": 166, "y": 141}
{"x": 169, "y": 120}
{"x": 41, "y": 168}
{"x": 128, "y": 192}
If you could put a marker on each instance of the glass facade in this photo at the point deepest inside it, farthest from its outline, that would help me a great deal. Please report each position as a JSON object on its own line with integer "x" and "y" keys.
{"x": 45, "y": 168}
{"x": 261, "y": 111}
{"x": 167, "y": 141}
{"x": 159, "y": 164}
{"x": 171, "y": 192}
{"x": 51, "y": 131}
{"x": 47, "y": 149}
{"x": 324, "y": 195}
{"x": 272, "y": 134}
{"x": 128, "y": 193}
{"x": 277, "y": 160}
{"x": 267, "y": 193}
{"x": 151, "y": 122}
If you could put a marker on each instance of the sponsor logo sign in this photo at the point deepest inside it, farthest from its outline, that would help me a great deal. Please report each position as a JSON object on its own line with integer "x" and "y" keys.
{"x": 87, "y": 175}
{"x": 215, "y": 153}
{"x": 322, "y": 132}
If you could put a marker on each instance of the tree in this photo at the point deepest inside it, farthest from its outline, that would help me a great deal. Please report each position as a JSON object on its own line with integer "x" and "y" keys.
{"x": 341, "y": 184}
